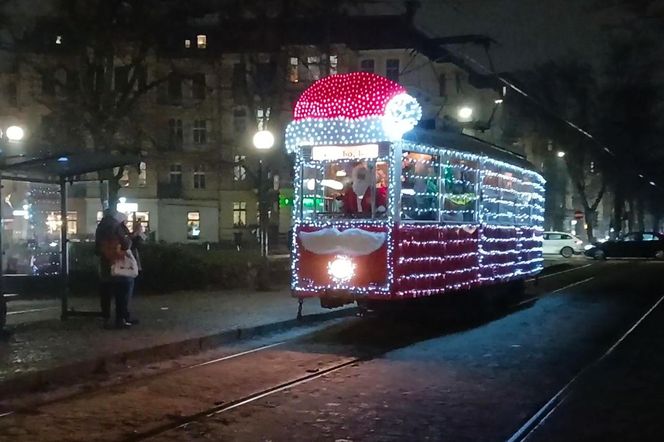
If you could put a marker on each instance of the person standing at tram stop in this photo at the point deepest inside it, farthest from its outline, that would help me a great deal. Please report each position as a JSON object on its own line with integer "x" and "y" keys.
{"x": 138, "y": 237}
{"x": 357, "y": 196}
{"x": 112, "y": 245}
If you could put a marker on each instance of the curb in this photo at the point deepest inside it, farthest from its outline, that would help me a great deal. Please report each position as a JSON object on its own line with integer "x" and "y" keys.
{"x": 66, "y": 374}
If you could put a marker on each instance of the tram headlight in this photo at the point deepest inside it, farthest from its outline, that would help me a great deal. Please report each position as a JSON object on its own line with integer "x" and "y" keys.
{"x": 341, "y": 269}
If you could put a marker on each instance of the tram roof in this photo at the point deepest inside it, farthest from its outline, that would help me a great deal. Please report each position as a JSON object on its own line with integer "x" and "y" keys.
{"x": 467, "y": 143}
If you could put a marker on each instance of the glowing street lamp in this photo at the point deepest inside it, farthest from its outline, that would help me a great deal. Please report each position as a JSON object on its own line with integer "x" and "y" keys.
{"x": 465, "y": 113}
{"x": 14, "y": 133}
{"x": 560, "y": 154}
{"x": 263, "y": 140}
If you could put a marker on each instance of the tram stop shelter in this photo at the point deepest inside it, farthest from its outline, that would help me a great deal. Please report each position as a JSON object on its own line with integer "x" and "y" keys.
{"x": 60, "y": 170}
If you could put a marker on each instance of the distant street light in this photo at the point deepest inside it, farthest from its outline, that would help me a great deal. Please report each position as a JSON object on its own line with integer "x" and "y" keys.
{"x": 465, "y": 113}
{"x": 14, "y": 133}
{"x": 560, "y": 154}
{"x": 263, "y": 140}
{"x": 498, "y": 101}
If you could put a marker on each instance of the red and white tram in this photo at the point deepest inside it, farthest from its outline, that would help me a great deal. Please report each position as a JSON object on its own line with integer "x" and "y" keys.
{"x": 383, "y": 212}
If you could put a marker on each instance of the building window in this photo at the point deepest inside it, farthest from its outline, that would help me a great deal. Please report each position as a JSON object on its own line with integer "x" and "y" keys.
{"x": 58, "y": 39}
{"x": 239, "y": 171}
{"x": 193, "y": 225}
{"x": 198, "y": 86}
{"x": 334, "y": 64}
{"x": 175, "y": 174}
{"x": 201, "y": 41}
{"x": 240, "y": 121}
{"x": 124, "y": 180}
{"x": 199, "y": 177}
{"x": 175, "y": 136}
{"x": 293, "y": 64}
{"x": 239, "y": 213}
{"x": 262, "y": 117}
{"x": 187, "y": 43}
{"x": 200, "y": 131}
{"x": 392, "y": 69}
{"x": 175, "y": 88}
{"x": 54, "y": 222}
{"x": 142, "y": 174}
{"x": 367, "y": 65}
{"x": 313, "y": 64}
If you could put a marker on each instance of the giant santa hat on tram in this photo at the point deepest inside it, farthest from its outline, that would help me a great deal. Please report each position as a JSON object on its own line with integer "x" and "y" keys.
{"x": 354, "y": 108}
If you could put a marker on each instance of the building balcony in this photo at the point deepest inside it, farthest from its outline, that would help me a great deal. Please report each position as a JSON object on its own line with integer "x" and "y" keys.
{"x": 169, "y": 190}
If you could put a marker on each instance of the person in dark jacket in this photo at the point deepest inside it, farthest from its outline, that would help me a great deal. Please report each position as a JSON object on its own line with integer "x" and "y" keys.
{"x": 112, "y": 230}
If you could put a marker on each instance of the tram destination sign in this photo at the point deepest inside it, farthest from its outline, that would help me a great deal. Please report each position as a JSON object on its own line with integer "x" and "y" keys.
{"x": 329, "y": 153}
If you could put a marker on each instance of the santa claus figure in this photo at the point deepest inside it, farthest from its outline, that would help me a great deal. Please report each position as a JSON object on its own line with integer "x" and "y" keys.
{"x": 357, "y": 195}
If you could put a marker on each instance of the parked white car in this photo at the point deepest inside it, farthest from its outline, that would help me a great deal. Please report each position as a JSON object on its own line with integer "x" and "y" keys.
{"x": 561, "y": 243}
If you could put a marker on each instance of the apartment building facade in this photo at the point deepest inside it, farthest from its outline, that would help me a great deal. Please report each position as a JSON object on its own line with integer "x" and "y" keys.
{"x": 197, "y": 178}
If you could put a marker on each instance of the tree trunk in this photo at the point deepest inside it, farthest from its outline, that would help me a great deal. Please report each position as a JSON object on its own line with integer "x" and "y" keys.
{"x": 618, "y": 209}
{"x": 631, "y": 218}
{"x": 591, "y": 216}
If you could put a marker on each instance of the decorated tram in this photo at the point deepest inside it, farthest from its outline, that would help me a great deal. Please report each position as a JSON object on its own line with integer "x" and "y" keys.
{"x": 383, "y": 211}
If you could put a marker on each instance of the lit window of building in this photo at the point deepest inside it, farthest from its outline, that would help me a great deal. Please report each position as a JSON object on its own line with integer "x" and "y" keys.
{"x": 124, "y": 179}
{"x": 58, "y": 39}
{"x": 262, "y": 117}
{"x": 53, "y": 222}
{"x": 239, "y": 171}
{"x": 313, "y": 64}
{"x": 293, "y": 65}
{"x": 201, "y": 41}
{"x": 193, "y": 225}
{"x": 187, "y": 43}
{"x": 239, "y": 213}
{"x": 199, "y": 177}
{"x": 334, "y": 64}
{"x": 142, "y": 175}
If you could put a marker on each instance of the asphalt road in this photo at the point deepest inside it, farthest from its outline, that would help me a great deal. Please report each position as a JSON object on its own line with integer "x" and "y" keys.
{"x": 453, "y": 372}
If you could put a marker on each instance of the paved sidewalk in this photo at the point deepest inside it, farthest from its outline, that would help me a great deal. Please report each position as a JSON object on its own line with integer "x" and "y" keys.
{"x": 40, "y": 341}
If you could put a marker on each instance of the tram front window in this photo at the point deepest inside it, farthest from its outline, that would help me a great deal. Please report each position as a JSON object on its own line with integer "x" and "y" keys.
{"x": 345, "y": 189}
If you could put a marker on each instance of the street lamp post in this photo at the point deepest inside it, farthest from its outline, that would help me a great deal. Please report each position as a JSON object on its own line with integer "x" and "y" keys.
{"x": 263, "y": 141}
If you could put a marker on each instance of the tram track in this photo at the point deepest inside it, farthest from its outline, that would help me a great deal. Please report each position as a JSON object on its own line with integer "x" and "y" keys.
{"x": 152, "y": 428}
{"x": 539, "y": 418}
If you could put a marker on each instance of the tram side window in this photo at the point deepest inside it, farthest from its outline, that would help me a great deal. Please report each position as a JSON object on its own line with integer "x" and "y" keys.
{"x": 312, "y": 199}
{"x": 460, "y": 190}
{"x": 419, "y": 187}
{"x": 506, "y": 198}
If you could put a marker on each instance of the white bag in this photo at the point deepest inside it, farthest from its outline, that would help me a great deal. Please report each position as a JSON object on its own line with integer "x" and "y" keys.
{"x": 126, "y": 266}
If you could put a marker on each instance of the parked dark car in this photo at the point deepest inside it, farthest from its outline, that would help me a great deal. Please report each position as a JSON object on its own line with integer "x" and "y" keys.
{"x": 631, "y": 245}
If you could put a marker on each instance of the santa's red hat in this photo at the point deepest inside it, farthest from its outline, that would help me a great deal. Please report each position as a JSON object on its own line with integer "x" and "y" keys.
{"x": 353, "y": 108}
